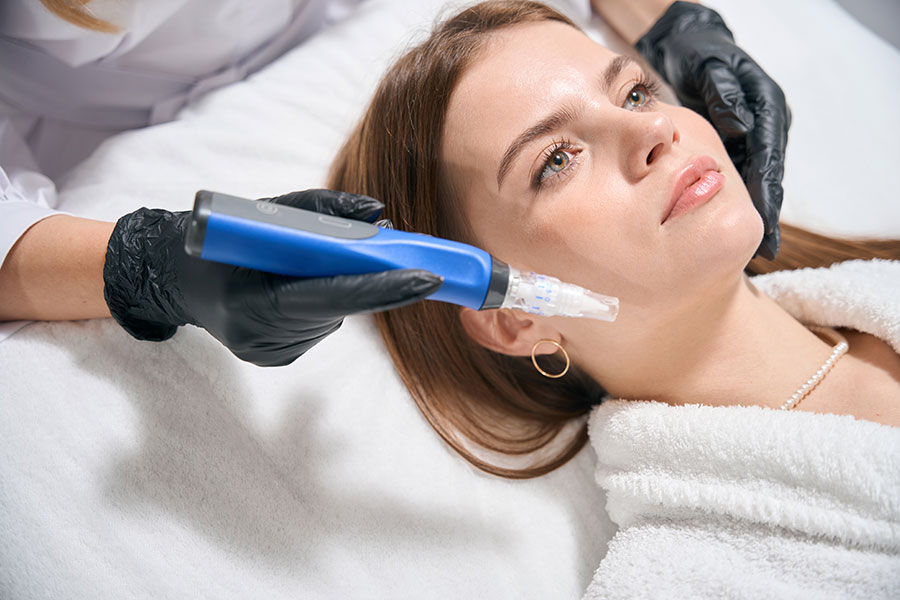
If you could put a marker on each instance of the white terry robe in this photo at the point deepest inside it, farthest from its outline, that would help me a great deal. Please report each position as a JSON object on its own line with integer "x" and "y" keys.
{"x": 750, "y": 502}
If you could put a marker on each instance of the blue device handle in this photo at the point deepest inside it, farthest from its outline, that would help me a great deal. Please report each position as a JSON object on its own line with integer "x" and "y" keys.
{"x": 291, "y": 241}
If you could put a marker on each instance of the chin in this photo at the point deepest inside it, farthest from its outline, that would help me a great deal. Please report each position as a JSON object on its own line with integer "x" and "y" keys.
{"x": 720, "y": 246}
{"x": 739, "y": 231}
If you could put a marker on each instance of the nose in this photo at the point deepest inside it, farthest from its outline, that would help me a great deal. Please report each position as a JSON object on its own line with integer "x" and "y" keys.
{"x": 647, "y": 137}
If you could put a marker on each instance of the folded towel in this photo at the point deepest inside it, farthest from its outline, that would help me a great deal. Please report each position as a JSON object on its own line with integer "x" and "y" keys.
{"x": 749, "y": 502}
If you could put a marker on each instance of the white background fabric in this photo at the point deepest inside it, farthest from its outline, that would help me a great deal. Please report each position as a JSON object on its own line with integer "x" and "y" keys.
{"x": 136, "y": 470}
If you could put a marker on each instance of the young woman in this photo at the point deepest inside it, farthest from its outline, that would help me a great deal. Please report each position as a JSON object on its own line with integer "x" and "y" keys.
{"x": 511, "y": 130}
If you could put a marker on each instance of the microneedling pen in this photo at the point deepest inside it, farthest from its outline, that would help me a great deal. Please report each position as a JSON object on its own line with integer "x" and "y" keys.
{"x": 290, "y": 241}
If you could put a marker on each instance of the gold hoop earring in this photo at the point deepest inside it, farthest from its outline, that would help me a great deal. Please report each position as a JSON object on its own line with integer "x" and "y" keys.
{"x": 538, "y": 367}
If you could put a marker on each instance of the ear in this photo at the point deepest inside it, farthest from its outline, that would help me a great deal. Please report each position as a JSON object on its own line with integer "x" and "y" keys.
{"x": 507, "y": 331}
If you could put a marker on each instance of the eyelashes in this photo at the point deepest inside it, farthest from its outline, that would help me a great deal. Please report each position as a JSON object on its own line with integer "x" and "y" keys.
{"x": 561, "y": 158}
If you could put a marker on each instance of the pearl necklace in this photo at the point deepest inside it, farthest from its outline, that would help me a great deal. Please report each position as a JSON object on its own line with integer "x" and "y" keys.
{"x": 838, "y": 351}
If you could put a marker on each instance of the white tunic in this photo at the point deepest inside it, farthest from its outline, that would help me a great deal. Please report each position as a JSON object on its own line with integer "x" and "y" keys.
{"x": 65, "y": 89}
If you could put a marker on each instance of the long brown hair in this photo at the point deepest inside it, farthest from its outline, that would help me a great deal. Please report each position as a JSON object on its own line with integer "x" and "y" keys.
{"x": 480, "y": 402}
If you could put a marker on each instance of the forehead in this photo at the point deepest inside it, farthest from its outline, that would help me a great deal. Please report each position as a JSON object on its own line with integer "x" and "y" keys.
{"x": 522, "y": 72}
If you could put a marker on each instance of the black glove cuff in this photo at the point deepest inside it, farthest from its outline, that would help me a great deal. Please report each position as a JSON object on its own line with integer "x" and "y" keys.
{"x": 681, "y": 17}
{"x": 138, "y": 275}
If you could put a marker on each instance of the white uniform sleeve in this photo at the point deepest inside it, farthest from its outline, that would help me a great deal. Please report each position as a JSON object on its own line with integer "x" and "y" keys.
{"x": 26, "y": 197}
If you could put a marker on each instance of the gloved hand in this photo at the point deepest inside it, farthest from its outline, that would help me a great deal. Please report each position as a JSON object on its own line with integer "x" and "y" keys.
{"x": 694, "y": 51}
{"x": 152, "y": 286}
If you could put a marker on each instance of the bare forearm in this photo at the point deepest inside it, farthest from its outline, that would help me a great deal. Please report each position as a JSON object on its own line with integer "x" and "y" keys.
{"x": 55, "y": 271}
{"x": 631, "y": 18}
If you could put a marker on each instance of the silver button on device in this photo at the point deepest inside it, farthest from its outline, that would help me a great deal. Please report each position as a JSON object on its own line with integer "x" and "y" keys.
{"x": 334, "y": 222}
{"x": 267, "y": 208}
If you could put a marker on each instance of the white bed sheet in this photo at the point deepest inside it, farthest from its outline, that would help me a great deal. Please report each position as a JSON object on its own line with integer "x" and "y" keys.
{"x": 136, "y": 470}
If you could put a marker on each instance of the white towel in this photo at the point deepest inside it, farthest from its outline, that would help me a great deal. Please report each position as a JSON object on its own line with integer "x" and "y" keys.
{"x": 749, "y": 502}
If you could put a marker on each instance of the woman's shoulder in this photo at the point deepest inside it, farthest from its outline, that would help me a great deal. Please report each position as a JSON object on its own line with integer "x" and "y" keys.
{"x": 868, "y": 385}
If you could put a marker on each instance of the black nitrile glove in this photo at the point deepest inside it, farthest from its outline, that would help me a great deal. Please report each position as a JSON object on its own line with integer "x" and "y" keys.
{"x": 153, "y": 286}
{"x": 694, "y": 51}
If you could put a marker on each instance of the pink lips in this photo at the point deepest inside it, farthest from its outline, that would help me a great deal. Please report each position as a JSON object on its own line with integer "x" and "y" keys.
{"x": 694, "y": 185}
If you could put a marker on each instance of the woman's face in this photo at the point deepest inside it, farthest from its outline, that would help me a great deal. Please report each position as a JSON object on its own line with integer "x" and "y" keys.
{"x": 567, "y": 164}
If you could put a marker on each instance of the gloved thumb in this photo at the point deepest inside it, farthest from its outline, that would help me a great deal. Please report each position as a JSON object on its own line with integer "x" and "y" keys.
{"x": 354, "y": 294}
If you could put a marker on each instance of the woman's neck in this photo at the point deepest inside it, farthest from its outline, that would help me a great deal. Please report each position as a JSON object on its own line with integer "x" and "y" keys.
{"x": 740, "y": 349}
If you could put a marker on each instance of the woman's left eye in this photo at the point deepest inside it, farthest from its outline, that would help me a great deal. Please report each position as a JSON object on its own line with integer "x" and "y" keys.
{"x": 637, "y": 97}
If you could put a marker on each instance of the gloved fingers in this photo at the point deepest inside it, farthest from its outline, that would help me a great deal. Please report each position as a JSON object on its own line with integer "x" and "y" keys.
{"x": 351, "y": 294}
{"x": 737, "y": 150}
{"x": 332, "y": 202}
{"x": 723, "y": 94}
{"x": 768, "y": 247}
{"x": 394, "y": 289}
{"x": 765, "y": 145}
{"x": 762, "y": 174}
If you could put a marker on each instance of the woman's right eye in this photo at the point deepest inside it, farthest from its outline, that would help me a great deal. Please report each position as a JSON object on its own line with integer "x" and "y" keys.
{"x": 559, "y": 159}
{"x": 557, "y": 162}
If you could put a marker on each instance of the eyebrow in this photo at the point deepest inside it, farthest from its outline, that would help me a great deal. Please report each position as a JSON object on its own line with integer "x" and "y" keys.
{"x": 558, "y": 118}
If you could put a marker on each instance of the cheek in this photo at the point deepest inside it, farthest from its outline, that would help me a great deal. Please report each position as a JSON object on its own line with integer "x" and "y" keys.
{"x": 694, "y": 129}
{"x": 589, "y": 236}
